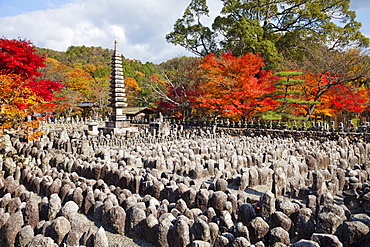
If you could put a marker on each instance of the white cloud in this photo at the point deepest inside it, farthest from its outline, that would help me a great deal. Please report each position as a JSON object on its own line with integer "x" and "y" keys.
{"x": 139, "y": 26}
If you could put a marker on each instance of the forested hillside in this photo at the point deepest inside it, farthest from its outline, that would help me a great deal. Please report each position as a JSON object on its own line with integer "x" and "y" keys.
{"x": 85, "y": 71}
{"x": 235, "y": 87}
{"x": 273, "y": 60}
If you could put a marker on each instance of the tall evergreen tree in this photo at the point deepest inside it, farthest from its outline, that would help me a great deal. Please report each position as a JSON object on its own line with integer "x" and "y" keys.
{"x": 267, "y": 26}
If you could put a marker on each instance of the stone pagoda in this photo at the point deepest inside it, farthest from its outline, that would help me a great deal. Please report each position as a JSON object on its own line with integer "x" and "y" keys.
{"x": 117, "y": 94}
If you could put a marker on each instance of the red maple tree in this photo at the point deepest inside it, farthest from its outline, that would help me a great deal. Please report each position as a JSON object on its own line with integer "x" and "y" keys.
{"x": 23, "y": 93}
{"x": 236, "y": 86}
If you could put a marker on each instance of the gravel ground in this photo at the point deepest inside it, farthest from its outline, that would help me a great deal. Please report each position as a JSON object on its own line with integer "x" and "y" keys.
{"x": 115, "y": 238}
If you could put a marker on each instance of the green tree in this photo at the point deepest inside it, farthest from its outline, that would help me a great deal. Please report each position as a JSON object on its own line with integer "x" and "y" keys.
{"x": 267, "y": 27}
{"x": 142, "y": 74}
{"x": 286, "y": 92}
{"x": 190, "y": 33}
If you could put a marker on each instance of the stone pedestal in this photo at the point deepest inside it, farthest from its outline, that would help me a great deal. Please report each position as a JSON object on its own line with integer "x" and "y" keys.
{"x": 118, "y": 124}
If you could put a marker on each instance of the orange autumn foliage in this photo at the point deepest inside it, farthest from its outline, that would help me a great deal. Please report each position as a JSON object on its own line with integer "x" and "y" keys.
{"x": 333, "y": 97}
{"x": 17, "y": 101}
{"x": 23, "y": 93}
{"x": 132, "y": 87}
{"x": 79, "y": 80}
{"x": 235, "y": 86}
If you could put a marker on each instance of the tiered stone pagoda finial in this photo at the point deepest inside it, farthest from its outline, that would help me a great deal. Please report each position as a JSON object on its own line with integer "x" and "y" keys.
{"x": 117, "y": 92}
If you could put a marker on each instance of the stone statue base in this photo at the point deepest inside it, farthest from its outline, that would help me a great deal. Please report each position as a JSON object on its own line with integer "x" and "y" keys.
{"x": 118, "y": 124}
{"x": 119, "y": 127}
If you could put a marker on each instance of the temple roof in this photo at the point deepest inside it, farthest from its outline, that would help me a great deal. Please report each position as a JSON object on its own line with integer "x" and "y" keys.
{"x": 87, "y": 104}
{"x": 134, "y": 110}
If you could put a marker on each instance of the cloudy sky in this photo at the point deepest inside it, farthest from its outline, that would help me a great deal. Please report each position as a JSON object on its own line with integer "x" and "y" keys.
{"x": 139, "y": 25}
